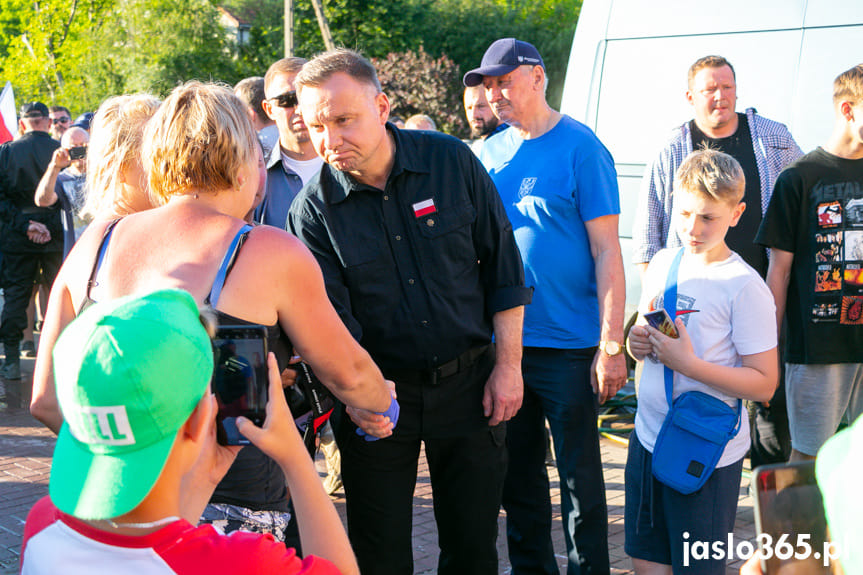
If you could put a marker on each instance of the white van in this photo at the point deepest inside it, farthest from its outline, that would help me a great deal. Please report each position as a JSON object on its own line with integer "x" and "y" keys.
{"x": 626, "y": 77}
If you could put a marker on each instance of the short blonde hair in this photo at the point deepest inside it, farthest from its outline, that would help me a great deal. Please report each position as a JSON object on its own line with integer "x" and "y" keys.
{"x": 286, "y": 66}
{"x": 115, "y": 142}
{"x": 712, "y": 174}
{"x": 198, "y": 140}
{"x": 848, "y": 86}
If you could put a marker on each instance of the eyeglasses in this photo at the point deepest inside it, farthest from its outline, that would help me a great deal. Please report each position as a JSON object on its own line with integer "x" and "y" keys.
{"x": 286, "y": 100}
{"x": 61, "y": 120}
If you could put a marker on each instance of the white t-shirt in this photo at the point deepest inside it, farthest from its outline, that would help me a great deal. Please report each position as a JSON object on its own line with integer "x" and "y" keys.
{"x": 58, "y": 543}
{"x": 305, "y": 169}
{"x": 728, "y": 312}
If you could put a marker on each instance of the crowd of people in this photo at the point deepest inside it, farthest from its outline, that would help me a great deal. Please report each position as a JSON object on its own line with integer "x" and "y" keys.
{"x": 464, "y": 299}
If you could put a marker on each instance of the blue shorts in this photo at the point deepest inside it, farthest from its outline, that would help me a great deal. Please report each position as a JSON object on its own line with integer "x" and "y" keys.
{"x": 661, "y": 523}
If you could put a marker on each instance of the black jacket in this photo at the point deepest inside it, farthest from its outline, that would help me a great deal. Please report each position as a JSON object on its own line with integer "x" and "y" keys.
{"x": 22, "y": 164}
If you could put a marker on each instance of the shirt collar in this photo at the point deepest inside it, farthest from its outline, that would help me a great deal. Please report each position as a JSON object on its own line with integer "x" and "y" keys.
{"x": 408, "y": 157}
{"x": 275, "y": 155}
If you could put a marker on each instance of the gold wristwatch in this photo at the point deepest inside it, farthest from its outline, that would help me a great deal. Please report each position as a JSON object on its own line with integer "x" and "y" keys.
{"x": 611, "y": 347}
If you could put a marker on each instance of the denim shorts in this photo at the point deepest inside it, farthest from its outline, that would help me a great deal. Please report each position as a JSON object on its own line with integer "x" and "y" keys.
{"x": 660, "y": 523}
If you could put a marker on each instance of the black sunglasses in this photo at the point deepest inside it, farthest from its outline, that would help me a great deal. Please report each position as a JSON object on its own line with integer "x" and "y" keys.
{"x": 286, "y": 100}
{"x": 60, "y": 120}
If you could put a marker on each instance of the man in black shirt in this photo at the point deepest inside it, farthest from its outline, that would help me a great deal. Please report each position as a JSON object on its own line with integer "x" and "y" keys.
{"x": 763, "y": 148}
{"x": 420, "y": 261}
{"x": 32, "y": 238}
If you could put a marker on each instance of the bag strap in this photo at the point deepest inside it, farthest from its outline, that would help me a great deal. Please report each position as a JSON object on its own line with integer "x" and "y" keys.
{"x": 669, "y": 302}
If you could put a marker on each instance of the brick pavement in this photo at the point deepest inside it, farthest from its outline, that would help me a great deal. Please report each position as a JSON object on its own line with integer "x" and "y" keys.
{"x": 25, "y": 460}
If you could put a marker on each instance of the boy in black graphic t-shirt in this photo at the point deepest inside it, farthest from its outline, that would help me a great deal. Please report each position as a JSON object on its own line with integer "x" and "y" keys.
{"x": 814, "y": 229}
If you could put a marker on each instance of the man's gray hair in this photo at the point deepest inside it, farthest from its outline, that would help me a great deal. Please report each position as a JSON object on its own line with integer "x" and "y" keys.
{"x": 341, "y": 60}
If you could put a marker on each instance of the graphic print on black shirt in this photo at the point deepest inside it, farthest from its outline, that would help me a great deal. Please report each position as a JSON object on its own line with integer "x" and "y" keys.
{"x": 837, "y": 209}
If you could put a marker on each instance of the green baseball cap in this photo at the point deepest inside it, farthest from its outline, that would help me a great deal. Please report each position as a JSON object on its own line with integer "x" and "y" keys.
{"x": 838, "y": 469}
{"x": 128, "y": 374}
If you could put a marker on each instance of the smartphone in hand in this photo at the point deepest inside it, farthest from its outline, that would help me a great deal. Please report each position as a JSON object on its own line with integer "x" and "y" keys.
{"x": 240, "y": 379}
{"x": 789, "y": 520}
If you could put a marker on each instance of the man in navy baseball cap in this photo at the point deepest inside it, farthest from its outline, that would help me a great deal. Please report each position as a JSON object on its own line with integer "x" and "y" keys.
{"x": 573, "y": 330}
{"x": 502, "y": 57}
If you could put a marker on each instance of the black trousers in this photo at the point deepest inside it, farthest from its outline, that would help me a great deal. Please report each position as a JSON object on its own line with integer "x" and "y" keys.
{"x": 20, "y": 273}
{"x": 467, "y": 466}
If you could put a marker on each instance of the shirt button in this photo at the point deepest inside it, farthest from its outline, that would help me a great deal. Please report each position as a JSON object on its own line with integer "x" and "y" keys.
{"x": 411, "y": 281}
{"x": 398, "y": 238}
{"x": 425, "y": 323}
{"x": 434, "y": 359}
{"x": 386, "y": 197}
{"x": 430, "y": 223}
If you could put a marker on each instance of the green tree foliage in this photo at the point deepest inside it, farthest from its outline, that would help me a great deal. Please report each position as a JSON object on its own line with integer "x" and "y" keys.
{"x": 463, "y": 29}
{"x": 157, "y": 44}
{"x": 77, "y": 52}
{"x": 45, "y": 44}
{"x": 416, "y": 83}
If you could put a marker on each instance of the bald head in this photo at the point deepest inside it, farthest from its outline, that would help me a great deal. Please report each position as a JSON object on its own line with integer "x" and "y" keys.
{"x": 75, "y": 136}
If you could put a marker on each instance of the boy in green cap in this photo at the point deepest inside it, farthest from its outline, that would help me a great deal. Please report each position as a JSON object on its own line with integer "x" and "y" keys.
{"x": 137, "y": 459}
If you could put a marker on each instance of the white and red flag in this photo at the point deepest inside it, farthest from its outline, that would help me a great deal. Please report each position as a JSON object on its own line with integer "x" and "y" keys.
{"x": 8, "y": 118}
{"x": 424, "y": 207}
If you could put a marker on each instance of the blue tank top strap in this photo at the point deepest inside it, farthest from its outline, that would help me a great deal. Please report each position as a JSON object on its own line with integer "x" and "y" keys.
{"x": 100, "y": 256}
{"x": 227, "y": 263}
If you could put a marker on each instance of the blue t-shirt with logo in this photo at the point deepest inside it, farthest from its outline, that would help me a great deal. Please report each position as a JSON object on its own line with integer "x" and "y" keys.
{"x": 550, "y": 186}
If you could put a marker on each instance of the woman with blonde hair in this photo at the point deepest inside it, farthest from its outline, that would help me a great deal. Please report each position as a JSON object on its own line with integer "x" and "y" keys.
{"x": 204, "y": 167}
{"x": 116, "y": 187}
{"x": 116, "y": 181}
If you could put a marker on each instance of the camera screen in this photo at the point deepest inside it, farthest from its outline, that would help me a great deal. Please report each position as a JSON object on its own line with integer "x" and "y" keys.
{"x": 239, "y": 378}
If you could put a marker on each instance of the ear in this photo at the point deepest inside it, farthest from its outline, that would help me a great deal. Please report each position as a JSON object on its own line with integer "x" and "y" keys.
{"x": 382, "y": 105}
{"x": 738, "y": 211}
{"x": 197, "y": 427}
{"x": 689, "y": 97}
{"x": 538, "y": 77}
{"x": 268, "y": 108}
{"x": 847, "y": 111}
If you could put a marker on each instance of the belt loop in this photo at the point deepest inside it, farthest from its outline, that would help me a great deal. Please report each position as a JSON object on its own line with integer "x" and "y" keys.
{"x": 433, "y": 378}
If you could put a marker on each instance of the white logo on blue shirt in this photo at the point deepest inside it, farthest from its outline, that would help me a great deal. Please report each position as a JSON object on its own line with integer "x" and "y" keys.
{"x": 526, "y": 187}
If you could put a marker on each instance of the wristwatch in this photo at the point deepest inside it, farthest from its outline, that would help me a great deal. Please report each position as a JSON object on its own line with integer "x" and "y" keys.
{"x": 610, "y": 347}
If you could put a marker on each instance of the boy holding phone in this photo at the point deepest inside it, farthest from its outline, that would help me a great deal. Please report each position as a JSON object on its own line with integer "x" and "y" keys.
{"x": 137, "y": 460}
{"x": 725, "y": 347}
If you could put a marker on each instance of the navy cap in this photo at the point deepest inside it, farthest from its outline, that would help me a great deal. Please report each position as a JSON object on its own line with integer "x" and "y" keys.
{"x": 83, "y": 121}
{"x": 502, "y": 57}
{"x": 33, "y": 110}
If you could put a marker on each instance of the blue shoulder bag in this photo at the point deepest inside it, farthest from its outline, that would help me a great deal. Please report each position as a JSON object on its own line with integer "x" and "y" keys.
{"x": 697, "y": 427}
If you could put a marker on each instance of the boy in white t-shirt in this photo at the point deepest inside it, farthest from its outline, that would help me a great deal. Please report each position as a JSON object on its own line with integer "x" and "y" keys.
{"x": 726, "y": 348}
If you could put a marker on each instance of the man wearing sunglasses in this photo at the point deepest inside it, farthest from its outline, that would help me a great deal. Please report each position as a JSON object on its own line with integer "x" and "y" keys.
{"x": 293, "y": 162}
{"x": 61, "y": 119}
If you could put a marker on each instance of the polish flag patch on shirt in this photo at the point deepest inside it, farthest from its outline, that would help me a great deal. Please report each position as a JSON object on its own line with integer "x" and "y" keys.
{"x": 424, "y": 207}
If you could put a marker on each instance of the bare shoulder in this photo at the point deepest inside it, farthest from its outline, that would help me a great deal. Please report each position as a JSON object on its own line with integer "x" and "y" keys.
{"x": 79, "y": 263}
{"x": 277, "y": 246}
{"x": 277, "y": 251}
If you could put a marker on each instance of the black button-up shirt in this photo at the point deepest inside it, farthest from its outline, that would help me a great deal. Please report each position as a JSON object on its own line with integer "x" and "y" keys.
{"x": 22, "y": 164}
{"x": 416, "y": 281}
